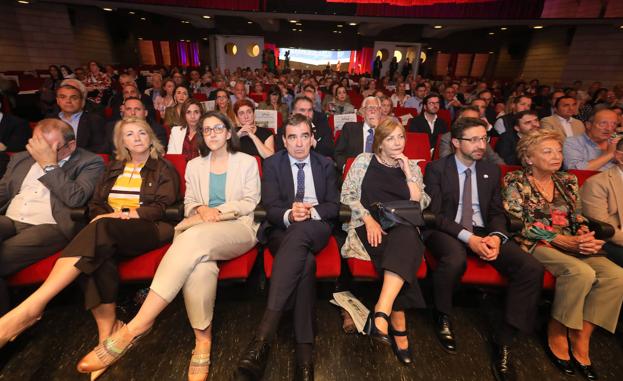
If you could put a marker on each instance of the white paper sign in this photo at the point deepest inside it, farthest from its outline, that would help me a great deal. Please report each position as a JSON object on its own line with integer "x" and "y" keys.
{"x": 267, "y": 119}
{"x": 404, "y": 119}
{"x": 208, "y": 105}
{"x": 339, "y": 120}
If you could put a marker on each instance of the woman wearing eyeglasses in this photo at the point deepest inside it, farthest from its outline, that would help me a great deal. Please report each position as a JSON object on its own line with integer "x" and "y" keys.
{"x": 222, "y": 191}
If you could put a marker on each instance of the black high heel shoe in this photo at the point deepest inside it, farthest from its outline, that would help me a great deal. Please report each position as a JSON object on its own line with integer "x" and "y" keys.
{"x": 564, "y": 366}
{"x": 374, "y": 333}
{"x": 586, "y": 370}
{"x": 404, "y": 355}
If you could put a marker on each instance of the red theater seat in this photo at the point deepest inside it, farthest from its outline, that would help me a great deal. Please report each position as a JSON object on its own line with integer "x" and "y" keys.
{"x": 417, "y": 146}
{"x": 446, "y": 117}
{"x": 364, "y": 270}
{"x": 35, "y": 273}
{"x": 108, "y": 112}
{"x": 327, "y": 261}
{"x": 400, "y": 111}
{"x": 201, "y": 97}
{"x": 582, "y": 175}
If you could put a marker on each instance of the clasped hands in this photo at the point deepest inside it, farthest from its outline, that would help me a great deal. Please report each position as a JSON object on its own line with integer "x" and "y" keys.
{"x": 584, "y": 242}
{"x": 300, "y": 211}
{"x": 487, "y": 248}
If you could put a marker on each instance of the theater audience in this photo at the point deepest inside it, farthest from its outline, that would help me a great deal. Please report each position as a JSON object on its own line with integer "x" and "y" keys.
{"x": 239, "y": 93}
{"x": 450, "y": 102}
{"x": 445, "y": 142}
{"x": 562, "y": 120}
{"x": 387, "y": 107}
{"x": 222, "y": 182}
{"x": 47, "y": 92}
{"x": 310, "y": 92}
{"x": 524, "y": 122}
{"x": 601, "y": 200}
{"x": 358, "y": 137}
{"x": 593, "y": 150}
{"x": 487, "y": 96}
{"x": 470, "y": 220}
{"x": 428, "y": 121}
{"x": 88, "y": 127}
{"x": 340, "y": 104}
{"x": 300, "y": 217}
{"x": 134, "y": 107}
{"x": 418, "y": 92}
{"x": 254, "y": 140}
{"x": 37, "y": 193}
{"x": 172, "y": 114}
{"x": 130, "y": 90}
{"x": 156, "y": 87}
{"x": 589, "y": 287}
{"x": 386, "y": 176}
{"x": 183, "y": 137}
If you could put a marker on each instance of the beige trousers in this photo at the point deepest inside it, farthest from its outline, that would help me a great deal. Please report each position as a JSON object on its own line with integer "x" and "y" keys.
{"x": 587, "y": 288}
{"x": 191, "y": 264}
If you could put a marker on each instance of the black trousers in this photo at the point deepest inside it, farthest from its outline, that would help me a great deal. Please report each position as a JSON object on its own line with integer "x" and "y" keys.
{"x": 524, "y": 272}
{"x": 400, "y": 252}
{"x": 101, "y": 244}
{"x": 21, "y": 245}
{"x": 293, "y": 282}
{"x": 615, "y": 253}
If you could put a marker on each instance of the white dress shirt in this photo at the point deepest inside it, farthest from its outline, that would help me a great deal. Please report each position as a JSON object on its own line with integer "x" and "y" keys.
{"x": 310, "y": 189}
{"x": 566, "y": 125}
{"x": 365, "y": 133}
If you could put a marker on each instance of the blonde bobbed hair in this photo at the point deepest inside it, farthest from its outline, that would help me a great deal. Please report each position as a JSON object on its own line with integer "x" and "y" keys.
{"x": 156, "y": 149}
{"x": 528, "y": 143}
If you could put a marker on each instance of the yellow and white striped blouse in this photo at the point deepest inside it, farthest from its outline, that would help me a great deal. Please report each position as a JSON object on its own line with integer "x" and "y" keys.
{"x": 127, "y": 189}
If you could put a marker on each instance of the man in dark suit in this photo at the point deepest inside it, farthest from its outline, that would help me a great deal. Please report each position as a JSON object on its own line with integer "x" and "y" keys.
{"x": 524, "y": 122}
{"x": 322, "y": 141}
{"x": 470, "y": 220}
{"x": 88, "y": 127}
{"x": 428, "y": 122}
{"x": 357, "y": 137}
{"x": 134, "y": 107}
{"x": 299, "y": 192}
{"x": 14, "y": 132}
{"x": 39, "y": 189}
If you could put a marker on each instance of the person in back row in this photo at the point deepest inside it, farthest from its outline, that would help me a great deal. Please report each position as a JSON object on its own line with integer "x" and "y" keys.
{"x": 428, "y": 121}
{"x": 357, "y": 137}
{"x": 524, "y": 122}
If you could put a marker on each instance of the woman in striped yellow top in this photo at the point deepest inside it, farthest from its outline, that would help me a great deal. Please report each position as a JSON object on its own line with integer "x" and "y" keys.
{"x": 128, "y": 211}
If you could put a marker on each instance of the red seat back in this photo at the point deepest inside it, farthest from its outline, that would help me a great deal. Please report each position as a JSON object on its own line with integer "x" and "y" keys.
{"x": 445, "y": 116}
{"x": 582, "y": 175}
{"x": 201, "y": 97}
{"x": 179, "y": 162}
{"x": 417, "y": 146}
{"x": 493, "y": 142}
{"x": 400, "y": 111}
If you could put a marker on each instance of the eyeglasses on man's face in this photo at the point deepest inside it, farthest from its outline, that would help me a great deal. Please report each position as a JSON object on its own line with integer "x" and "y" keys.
{"x": 476, "y": 139}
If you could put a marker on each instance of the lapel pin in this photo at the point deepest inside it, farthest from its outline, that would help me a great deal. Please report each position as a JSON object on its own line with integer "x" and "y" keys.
{"x": 485, "y": 176}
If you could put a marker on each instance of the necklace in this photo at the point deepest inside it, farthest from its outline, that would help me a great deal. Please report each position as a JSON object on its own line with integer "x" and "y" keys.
{"x": 542, "y": 189}
{"x": 395, "y": 165}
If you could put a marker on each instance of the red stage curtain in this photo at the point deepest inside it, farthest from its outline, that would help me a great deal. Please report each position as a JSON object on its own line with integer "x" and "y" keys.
{"x": 499, "y": 9}
{"x": 236, "y": 5}
{"x": 361, "y": 61}
{"x": 175, "y": 61}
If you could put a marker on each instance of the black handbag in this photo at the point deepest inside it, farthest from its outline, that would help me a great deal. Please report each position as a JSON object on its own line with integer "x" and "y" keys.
{"x": 390, "y": 214}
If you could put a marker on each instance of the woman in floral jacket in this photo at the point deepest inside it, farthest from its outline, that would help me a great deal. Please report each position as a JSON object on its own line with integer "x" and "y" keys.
{"x": 589, "y": 288}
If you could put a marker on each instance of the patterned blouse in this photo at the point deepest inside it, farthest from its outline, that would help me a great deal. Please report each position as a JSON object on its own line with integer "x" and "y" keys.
{"x": 351, "y": 196}
{"x": 543, "y": 220}
{"x": 99, "y": 84}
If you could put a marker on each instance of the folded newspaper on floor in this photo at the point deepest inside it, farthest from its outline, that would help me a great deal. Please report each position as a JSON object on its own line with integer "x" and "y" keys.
{"x": 355, "y": 308}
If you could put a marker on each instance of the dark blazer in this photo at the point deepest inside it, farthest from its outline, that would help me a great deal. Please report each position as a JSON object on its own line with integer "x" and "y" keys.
{"x": 14, "y": 133}
{"x": 349, "y": 144}
{"x": 506, "y": 147}
{"x": 278, "y": 190}
{"x": 160, "y": 132}
{"x": 322, "y": 133}
{"x": 91, "y": 132}
{"x": 71, "y": 186}
{"x": 442, "y": 184}
{"x": 419, "y": 124}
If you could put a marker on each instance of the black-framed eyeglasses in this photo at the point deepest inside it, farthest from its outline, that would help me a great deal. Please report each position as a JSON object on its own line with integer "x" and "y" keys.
{"x": 218, "y": 129}
{"x": 476, "y": 139}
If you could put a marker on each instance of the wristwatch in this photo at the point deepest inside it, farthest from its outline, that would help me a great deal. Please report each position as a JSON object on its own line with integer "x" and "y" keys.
{"x": 50, "y": 167}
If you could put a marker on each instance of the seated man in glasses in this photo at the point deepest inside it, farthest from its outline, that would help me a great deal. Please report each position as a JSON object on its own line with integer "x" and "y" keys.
{"x": 470, "y": 220}
{"x": 39, "y": 189}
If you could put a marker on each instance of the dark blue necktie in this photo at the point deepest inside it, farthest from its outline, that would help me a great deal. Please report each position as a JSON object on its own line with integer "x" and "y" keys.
{"x": 300, "y": 183}
{"x": 369, "y": 140}
{"x": 467, "y": 214}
